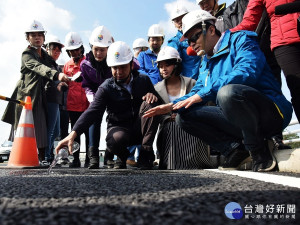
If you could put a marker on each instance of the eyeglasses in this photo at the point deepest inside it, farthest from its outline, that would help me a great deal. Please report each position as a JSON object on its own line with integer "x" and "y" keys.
{"x": 194, "y": 38}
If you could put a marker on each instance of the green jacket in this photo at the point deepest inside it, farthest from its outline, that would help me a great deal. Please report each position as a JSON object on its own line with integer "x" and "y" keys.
{"x": 35, "y": 72}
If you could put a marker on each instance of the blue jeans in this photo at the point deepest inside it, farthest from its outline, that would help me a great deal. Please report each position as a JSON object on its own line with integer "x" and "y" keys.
{"x": 53, "y": 127}
{"x": 132, "y": 151}
{"x": 94, "y": 134}
{"x": 243, "y": 115}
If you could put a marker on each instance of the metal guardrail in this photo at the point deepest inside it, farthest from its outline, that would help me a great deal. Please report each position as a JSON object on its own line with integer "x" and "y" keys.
{"x": 297, "y": 131}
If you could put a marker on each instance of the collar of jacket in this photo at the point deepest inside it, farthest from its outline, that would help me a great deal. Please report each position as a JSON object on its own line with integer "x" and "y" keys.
{"x": 149, "y": 52}
{"x": 220, "y": 10}
{"x": 45, "y": 57}
{"x": 118, "y": 87}
{"x": 224, "y": 47}
{"x": 33, "y": 50}
{"x": 179, "y": 34}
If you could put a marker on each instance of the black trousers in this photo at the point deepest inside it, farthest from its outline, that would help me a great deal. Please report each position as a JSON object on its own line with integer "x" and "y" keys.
{"x": 141, "y": 132}
{"x": 288, "y": 57}
{"x": 73, "y": 118}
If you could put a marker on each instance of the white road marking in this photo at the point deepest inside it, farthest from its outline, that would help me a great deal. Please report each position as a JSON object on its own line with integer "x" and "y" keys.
{"x": 266, "y": 177}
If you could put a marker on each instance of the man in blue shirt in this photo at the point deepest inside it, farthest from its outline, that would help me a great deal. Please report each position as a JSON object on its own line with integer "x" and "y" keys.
{"x": 147, "y": 59}
{"x": 233, "y": 74}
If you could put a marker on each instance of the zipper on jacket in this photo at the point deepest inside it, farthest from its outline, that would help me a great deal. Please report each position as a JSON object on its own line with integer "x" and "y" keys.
{"x": 206, "y": 79}
{"x": 131, "y": 100}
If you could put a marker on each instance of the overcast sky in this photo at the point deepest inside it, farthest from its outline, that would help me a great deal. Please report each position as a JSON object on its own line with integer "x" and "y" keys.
{"x": 126, "y": 20}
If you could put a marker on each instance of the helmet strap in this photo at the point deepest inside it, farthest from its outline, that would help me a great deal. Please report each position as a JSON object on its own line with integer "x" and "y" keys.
{"x": 202, "y": 52}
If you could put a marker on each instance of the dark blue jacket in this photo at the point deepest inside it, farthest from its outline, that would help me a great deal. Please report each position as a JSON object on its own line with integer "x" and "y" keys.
{"x": 122, "y": 107}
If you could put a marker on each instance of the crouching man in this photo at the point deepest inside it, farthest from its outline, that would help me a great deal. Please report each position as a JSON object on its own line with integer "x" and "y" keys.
{"x": 235, "y": 76}
{"x": 122, "y": 96}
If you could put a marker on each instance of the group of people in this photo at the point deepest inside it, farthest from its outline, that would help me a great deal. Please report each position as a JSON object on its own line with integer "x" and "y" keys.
{"x": 210, "y": 88}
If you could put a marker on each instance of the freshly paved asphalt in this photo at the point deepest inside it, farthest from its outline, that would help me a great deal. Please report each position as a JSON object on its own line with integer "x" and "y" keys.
{"x": 107, "y": 196}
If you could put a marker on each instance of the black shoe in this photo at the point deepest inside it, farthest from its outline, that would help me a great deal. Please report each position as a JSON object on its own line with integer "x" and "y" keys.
{"x": 93, "y": 158}
{"x": 93, "y": 166}
{"x": 237, "y": 160}
{"x": 108, "y": 159}
{"x": 263, "y": 160}
{"x": 75, "y": 164}
{"x": 120, "y": 164}
{"x": 94, "y": 162}
{"x": 146, "y": 159}
{"x": 110, "y": 164}
{"x": 147, "y": 165}
{"x": 277, "y": 141}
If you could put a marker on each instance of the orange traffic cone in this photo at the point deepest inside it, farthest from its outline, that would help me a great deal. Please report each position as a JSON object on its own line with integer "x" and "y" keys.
{"x": 24, "y": 150}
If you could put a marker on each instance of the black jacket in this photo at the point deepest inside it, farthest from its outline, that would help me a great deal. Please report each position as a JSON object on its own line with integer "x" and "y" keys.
{"x": 234, "y": 13}
{"x": 122, "y": 107}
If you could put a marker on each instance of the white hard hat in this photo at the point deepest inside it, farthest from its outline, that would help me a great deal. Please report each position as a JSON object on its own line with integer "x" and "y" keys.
{"x": 73, "y": 41}
{"x": 54, "y": 39}
{"x": 168, "y": 52}
{"x": 156, "y": 31}
{"x": 101, "y": 37}
{"x": 35, "y": 26}
{"x": 139, "y": 43}
{"x": 118, "y": 53}
{"x": 178, "y": 11}
{"x": 193, "y": 18}
{"x": 198, "y": 1}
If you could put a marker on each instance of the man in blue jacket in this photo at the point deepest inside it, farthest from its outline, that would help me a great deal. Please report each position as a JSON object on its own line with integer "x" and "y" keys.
{"x": 147, "y": 59}
{"x": 190, "y": 63}
{"x": 234, "y": 74}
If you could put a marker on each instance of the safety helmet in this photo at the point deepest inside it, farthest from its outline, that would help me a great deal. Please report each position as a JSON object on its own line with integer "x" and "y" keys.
{"x": 35, "y": 26}
{"x": 54, "y": 39}
{"x": 193, "y": 18}
{"x": 156, "y": 31}
{"x": 198, "y": 1}
{"x": 168, "y": 52}
{"x": 101, "y": 37}
{"x": 178, "y": 11}
{"x": 118, "y": 53}
{"x": 139, "y": 43}
{"x": 73, "y": 41}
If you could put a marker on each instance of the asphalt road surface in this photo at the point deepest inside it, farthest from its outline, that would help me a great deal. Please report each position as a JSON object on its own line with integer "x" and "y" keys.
{"x": 108, "y": 196}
